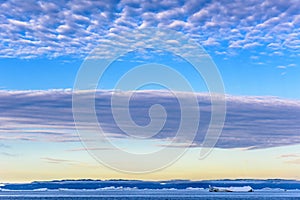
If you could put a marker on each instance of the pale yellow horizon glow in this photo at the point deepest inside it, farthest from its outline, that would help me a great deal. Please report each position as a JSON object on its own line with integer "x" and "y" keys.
{"x": 51, "y": 164}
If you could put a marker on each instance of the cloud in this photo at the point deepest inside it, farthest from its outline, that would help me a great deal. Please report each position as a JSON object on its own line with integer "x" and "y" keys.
{"x": 211, "y": 42}
{"x": 291, "y": 158}
{"x": 8, "y": 154}
{"x": 5, "y": 153}
{"x": 91, "y": 149}
{"x": 61, "y": 161}
{"x": 56, "y": 160}
{"x": 251, "y": 122}
{"x": 40, "y": 28}
{"x": 286, "y": 66}
{"x": 292, "y": 65}
{"x": 28, "y": 116}
{"x": 281, "y": 67}
{"x": 4, "y": 146}
{"x": 296, "y": 161}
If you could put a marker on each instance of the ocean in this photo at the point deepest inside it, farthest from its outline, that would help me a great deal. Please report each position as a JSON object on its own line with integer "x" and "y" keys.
{"x": 145, "y": 194}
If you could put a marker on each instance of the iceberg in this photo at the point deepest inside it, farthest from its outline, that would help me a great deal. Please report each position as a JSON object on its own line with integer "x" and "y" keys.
{"x": 231, "y": 189}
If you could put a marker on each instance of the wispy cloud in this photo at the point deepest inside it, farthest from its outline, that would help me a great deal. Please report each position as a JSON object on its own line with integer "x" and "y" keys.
{"x": 4, "y": 146}
{"x": 296, "y": 161}
{"x": 281, "y": 67}
{"x": 40, "y": 28}
{"x": 251, "y": 122}
{"x": 8, "y": 154}
{"x": 91, "y": 149}
{"x": 4, "y": 150}
{"x": 291, "y": 158}
{"x": 61, "y": 161}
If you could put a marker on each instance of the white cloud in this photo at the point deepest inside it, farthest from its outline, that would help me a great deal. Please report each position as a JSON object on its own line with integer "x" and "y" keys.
{"x": 39, "y": 28}
{"x": 292, "y": 65}
{"x": 252, "y": 45}
{"x": 211, "y": 42}
{"x": 281, "y": 67}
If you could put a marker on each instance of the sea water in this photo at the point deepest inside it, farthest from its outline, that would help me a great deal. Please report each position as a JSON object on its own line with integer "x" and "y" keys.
{"x": 144, "y": 194}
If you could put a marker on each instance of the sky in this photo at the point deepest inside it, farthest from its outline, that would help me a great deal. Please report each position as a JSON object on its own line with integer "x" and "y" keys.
{"x": 254, "y": 45}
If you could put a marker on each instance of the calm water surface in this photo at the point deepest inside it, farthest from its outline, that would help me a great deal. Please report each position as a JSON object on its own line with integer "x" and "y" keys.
{"x": 145, "y": 194}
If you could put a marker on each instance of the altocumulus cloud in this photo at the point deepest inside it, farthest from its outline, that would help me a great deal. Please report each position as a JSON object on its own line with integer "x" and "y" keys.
{"x": 251, "y": 122}
{"x": 72, "y": 27}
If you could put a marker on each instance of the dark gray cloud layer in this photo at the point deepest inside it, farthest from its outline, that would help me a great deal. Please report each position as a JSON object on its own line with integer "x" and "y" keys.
{"x": 251, "y": 122}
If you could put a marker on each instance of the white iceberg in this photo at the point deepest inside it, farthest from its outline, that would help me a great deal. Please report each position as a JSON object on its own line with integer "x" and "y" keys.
{"x": 231, "y": 189}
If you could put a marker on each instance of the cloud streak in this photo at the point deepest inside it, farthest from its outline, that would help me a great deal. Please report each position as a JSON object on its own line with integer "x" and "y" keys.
{"x": 59, "y": 161}
{"x": 291, "y": 158}
{"x": 251, "y": 122}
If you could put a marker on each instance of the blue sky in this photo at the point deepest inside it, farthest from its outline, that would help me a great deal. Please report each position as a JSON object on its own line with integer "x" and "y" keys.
{"x": 241, "y": 74}
{"x": 255, "y": 45}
